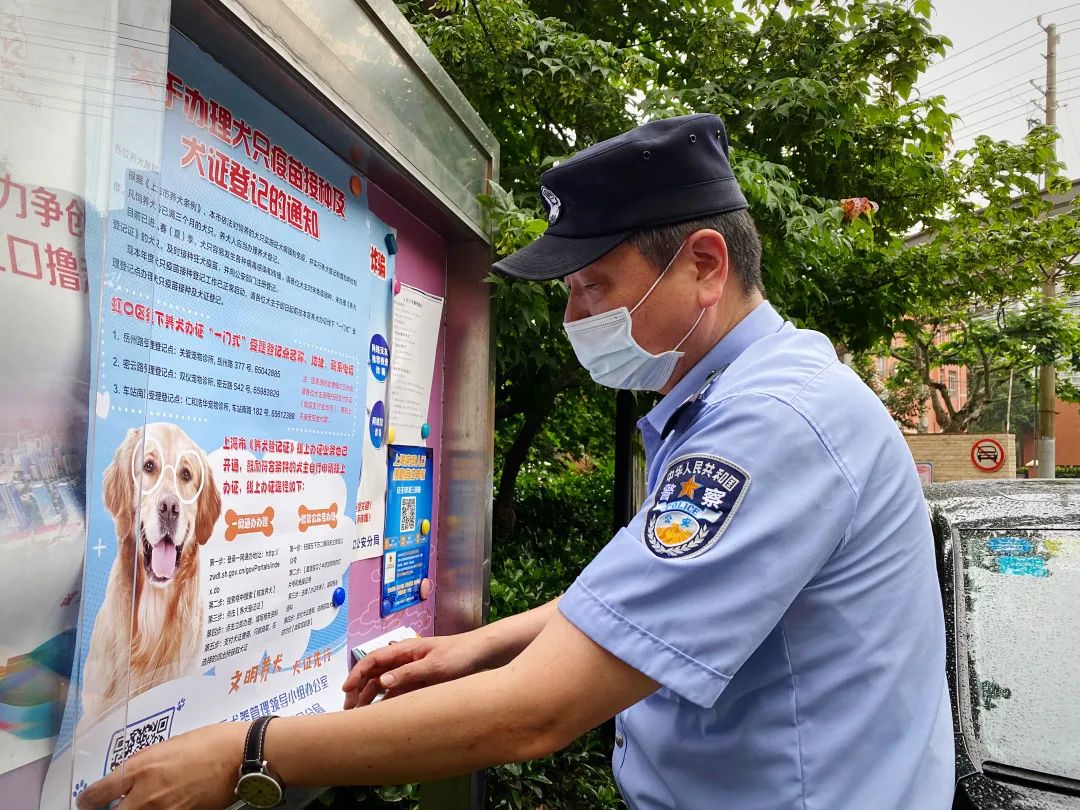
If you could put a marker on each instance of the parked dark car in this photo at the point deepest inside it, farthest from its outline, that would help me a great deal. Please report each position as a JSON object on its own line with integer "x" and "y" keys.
{"x": 1009, "y": 566}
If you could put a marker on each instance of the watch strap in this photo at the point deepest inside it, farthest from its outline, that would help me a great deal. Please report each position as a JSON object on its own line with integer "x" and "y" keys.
{"x": 253, "y": 744}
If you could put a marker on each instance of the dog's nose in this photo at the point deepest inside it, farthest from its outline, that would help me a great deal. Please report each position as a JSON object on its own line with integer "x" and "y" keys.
{"x": 168, "y": 506}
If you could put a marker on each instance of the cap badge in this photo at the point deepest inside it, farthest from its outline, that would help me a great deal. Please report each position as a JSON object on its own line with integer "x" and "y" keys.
{"x": 554, "y": 204}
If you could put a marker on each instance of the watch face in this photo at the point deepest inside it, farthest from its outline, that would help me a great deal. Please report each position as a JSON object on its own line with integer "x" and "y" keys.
{"x": 259, "y": 790}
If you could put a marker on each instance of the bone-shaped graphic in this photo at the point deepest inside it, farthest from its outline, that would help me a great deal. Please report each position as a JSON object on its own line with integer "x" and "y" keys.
{"x": 248, "y": 524}
{"x": 317, "y": 517}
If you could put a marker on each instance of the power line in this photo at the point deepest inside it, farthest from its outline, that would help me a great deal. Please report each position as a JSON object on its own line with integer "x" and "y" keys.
{"x": 971, "y": 132}
{"x": 89, "y": 88}
{"x": 1072, "y": 129}
{"x": 989, "y": 105}
{"x": 40, "y": 106}
{"x": 18, "y": 73}
{"x": 985, "y": 95}
{"x": 152, "y": 47}
{"x": 991, "y": 120}
{"x": 993, "y": 92}
{"x": 978, "y": 132}
{"x": 934, "y": 85}
{"x": 982, "y": 42}
{"x": 84, "y": 103}
{"x": 980, "y": 95}
{"x": 106, "y": 47}
{"x": 34, "y": 35}
{"x": 119, "y": 24}
{"x": 968, "y": 132}
{"x": 108, "y": 52}
{"x": 95, "y": 17}
{"x": 1006, "y": 31}
{"x": 937, "y": 80}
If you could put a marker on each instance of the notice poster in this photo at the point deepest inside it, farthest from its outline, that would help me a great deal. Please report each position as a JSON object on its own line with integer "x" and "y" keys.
{"x": 228, "y": 417}
{"x": 417, "y": 318}
{"x": 371, "y": 495}
{"x": 407, "y": 550}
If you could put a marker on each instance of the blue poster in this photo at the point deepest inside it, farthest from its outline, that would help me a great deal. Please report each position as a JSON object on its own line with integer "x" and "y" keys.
{"x": 1023, "y": 566}
{"x": 407, "y": 547}
{"x": 371, "y": 489}
{"x": 228, "y": 416}
{"x": 1009, "y": 545}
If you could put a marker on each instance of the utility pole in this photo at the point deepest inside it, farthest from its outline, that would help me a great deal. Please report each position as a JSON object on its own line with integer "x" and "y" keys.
{"x": 1046, "y": 452}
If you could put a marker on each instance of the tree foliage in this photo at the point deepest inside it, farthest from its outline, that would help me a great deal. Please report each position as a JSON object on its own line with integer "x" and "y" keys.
{"x": 980, "y": 271}
{"x": 818, "y": 101}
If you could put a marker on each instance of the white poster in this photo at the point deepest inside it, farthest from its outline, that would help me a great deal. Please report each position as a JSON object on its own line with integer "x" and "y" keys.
{"x": 417, "y": 321}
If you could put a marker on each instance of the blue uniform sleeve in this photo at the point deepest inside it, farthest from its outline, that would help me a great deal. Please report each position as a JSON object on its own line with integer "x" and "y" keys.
{"x": 747, "y": 507}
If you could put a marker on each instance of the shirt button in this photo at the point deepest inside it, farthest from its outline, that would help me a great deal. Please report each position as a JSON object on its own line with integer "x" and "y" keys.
{"x": 620, "y": 740}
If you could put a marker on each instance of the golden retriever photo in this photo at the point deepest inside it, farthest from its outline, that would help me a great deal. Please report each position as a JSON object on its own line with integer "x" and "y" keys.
{"x": 162, "y": 496}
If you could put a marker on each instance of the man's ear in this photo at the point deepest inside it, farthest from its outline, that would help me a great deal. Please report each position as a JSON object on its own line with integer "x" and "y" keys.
{"x": 209, "y": 508}
{"x": 709, "y": 253}
{"x": 118, "y": 488}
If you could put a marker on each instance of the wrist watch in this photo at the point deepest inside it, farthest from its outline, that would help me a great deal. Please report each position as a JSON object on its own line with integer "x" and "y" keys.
{"x": 258, "y": 785}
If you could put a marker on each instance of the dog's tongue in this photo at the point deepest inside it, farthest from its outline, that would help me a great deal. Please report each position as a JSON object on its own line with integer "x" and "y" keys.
{"x": 163, "y": 560}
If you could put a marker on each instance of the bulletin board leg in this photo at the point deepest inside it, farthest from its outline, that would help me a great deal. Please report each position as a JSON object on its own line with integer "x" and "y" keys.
{"x": 459, "y": 793}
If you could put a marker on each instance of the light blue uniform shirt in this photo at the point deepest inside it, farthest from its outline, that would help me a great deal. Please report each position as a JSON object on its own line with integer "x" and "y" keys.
{"x": 779, "y": 584}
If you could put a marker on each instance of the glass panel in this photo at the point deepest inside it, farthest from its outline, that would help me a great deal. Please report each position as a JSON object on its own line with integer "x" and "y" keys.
{"x": 80, "y": 98}
{"x": 373, "y": 76}
{"x": 1019, "y": 629}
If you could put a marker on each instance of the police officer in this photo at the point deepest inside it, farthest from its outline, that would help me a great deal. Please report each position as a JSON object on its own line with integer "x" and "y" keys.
{"x": 768, "y": 629}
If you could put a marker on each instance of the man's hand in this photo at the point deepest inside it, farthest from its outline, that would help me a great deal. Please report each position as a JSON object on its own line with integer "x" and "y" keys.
{"x": 412, "y": 664}
{"x": 194, "y": 771}
{"x": 406, "y": 666}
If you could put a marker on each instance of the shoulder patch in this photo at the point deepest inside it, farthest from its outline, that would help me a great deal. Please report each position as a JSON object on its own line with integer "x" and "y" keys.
{"x": 696, "y": 500}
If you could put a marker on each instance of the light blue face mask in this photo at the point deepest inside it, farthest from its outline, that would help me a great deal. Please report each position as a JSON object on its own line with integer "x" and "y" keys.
{"x": 605, "y": 347}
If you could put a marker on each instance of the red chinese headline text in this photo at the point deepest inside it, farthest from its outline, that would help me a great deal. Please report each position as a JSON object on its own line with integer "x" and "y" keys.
{"x": 242, "y": 182}
{"x": 166, "y": 320}
{"x": 24, "y": 256}
{"x": 219, "y": 121}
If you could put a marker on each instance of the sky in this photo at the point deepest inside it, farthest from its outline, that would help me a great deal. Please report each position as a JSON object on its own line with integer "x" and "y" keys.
{"x": 998, "y": 48}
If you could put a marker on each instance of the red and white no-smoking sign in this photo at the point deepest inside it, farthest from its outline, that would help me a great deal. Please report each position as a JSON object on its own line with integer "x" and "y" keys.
{"x": 987, "y": 455}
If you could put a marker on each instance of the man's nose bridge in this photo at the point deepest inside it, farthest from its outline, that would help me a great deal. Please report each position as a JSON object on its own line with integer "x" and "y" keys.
{"x": 570, "y": 312}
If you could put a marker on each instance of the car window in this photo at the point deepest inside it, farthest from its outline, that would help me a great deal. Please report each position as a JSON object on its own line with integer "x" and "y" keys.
{"x": 1019, "y": 632}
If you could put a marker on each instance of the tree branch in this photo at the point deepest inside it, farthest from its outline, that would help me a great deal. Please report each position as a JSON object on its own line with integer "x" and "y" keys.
{"x": 752, "y": 58}
{"x": 507, "y": 409}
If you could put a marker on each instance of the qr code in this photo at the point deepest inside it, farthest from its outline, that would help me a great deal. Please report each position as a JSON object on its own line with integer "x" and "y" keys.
{"x": 137, "y": 736}
{"x": 408, "y": 514}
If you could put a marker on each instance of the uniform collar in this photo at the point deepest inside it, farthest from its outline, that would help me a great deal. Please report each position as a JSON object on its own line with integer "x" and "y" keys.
{"x": 762, "y": 321}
